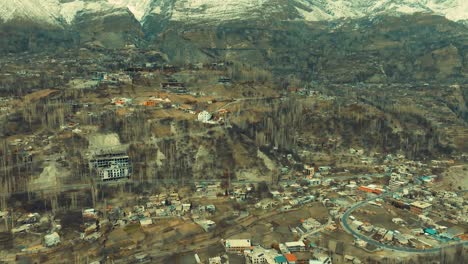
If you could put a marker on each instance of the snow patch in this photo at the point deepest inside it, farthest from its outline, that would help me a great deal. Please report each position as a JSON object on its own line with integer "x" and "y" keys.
{"x": 37, "y": 10}
{"x": 139, "y": 8}
{"x": 215, "y": 9}
{"x": 315, "y": 15}
{"x": 69, "y": 10}
{"x": 58, "y": 12}
{"x": 157, "y": 10}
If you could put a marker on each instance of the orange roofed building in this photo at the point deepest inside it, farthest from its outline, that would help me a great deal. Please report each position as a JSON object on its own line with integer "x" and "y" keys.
{"x": 371, "y": 189}
{"x": 149, "y": 103}
{"x": 291, "y": 258}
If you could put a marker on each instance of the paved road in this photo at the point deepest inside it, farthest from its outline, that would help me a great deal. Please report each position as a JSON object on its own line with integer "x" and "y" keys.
{"x": 346, "y": 226}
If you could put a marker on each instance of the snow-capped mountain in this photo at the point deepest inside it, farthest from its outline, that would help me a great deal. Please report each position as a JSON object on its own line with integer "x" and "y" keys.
{"x": 55, "y": 12}
{"x": 329, "y": 10}
{"x": 65, "y": 12}
{"x": 310, "y": 10}
{"x": 35, "y": 10}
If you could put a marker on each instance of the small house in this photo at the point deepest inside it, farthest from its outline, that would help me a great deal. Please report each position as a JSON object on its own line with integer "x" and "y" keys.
{"x": 52, "y": 239}
{"x": 204, "y": 116}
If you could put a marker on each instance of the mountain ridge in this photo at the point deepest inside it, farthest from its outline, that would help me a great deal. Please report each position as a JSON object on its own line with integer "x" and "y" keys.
{"x": 67, "y": 12}
{"x": 377, "y": 48}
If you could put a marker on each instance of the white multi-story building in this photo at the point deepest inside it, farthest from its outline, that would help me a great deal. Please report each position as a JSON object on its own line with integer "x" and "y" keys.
{"x": 111, "y": 166}
{"x": 113, "y": 172}
{"x": 295, "y": 246}
{"x": 259, "y": 255}
{"x": 237, "y": 245}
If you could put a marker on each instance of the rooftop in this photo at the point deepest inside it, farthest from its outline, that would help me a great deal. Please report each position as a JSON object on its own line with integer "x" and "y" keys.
{"x": 422, "y": 205}
{"x": 295, "y": 244}
{"x": 280, "y": 259}
{"x": 238, "y": 243}
{"x": 290, "y": 257}
{"x": 430, "y": 231}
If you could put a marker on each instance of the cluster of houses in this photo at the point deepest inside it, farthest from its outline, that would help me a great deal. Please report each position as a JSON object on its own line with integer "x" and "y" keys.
{"x": 162, "y": 206}
{"x": 33, "y": 223}
{"x": 293, "y": 252}
{"x": 94, "y": 223}
{"x": 91, "y": 225}
{"x": 422, "y": 200}
{"x": 113, "y": 78}
{"x": 414, "y": 194}
{"x": 25, "y": 222}
{"x": 382, "y": 234}
{"x": 203, "y": 116}
{"x": 170, "y": 205}
{"x": 430, "y": 232}
{"x": 302, "y": 91}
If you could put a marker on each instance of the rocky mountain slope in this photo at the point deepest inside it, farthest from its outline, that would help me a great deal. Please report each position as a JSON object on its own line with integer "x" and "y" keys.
{"x": 337, "y": 41}
{"x": 310, "y": 10}
{"x": 408, "y": 48}
{"x": 66, "y": 12}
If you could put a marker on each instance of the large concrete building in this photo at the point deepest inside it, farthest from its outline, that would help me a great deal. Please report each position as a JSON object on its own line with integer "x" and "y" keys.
{"x": 111, "y": 165}
{"x": 420, "y": 207}
{"x": 237, "y": 245}
{"x": 295, "y": 246}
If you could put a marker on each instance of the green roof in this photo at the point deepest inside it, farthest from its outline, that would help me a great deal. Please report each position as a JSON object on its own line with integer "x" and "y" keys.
{"x": 430, "y": 231}
{"x": 280, "y": 259}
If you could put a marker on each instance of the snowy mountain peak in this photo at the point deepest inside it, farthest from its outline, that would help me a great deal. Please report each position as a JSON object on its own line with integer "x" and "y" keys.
{"x": 329, "y": 10}
{"x": 64, "y": 12}
{"x": 139, "y": 8}
{"x": 311, "y": 10}
{"x": 36, "y": 10}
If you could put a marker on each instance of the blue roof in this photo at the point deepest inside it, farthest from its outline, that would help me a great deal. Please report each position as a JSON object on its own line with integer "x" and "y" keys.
{"x": 426, "y": 178}
{"x": 280, "y": 259}
{"x": 430, "y": 231}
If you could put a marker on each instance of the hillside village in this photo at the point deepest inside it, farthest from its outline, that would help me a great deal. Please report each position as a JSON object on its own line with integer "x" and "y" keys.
{"x": 123, "y": 157}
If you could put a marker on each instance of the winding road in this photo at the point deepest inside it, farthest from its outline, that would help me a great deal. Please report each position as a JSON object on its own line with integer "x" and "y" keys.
{"x": 356, "y": 234}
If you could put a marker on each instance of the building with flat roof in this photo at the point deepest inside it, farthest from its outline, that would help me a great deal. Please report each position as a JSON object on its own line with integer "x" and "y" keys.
{"x": 280, "y": 259}
{"x": 113, "y": 172}
{"x": 106, "y": 159}
{"x": 111, "y": 165}
{"x": 259, "y": 255}
{"x": 237, "y": 245}
{"x": 291, "y": 258}
{"x": 420, "y": 207}
{"x": 295, "y": 246}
